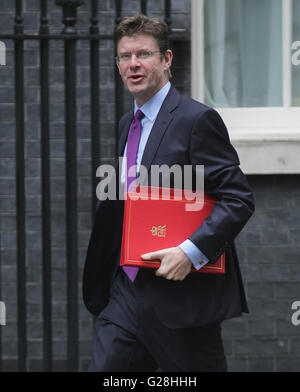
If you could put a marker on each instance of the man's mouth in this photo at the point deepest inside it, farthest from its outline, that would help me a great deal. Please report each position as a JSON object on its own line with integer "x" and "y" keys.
{"x": 136, "y": 78}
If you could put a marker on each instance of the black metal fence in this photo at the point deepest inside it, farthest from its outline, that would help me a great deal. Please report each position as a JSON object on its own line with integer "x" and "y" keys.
{"x": 70, "y": 36}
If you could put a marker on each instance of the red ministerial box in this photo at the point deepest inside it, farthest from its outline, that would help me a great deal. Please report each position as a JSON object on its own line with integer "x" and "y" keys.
{"x": 155, "y": 218}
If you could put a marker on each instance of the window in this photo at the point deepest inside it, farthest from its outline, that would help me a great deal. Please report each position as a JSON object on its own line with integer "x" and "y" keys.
{"x": 241, "y": 65}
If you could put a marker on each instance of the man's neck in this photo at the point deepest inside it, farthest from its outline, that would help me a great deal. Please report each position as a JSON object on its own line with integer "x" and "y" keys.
{"x": 140, "y": 101}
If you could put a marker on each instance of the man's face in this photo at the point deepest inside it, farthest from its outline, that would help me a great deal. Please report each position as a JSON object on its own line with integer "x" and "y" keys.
{"x": 143, "y": 77}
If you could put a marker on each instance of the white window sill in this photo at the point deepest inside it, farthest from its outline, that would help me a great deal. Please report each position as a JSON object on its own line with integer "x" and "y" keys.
{"x": 266, "y": 139}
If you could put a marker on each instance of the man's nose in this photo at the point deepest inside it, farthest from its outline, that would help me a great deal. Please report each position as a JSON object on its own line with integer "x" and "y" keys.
{"x": 134, "y": 61}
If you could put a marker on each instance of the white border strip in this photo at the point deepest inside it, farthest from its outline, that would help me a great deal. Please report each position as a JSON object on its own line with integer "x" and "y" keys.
{"x": 197, "y": 55}
{"x": 286, "y": 52}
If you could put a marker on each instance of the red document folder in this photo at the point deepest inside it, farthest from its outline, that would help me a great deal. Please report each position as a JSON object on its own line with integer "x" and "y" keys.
{"x": 150, "y": 225}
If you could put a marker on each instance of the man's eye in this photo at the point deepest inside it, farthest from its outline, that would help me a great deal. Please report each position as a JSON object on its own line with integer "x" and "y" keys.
{"x": 143, "y": 54}
{"x": 125, "y": 56}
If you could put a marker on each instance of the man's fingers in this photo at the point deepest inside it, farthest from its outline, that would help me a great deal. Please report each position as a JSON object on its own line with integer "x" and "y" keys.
{"x": 161, "y": 271}
{"x": 151, "y": 256}
{"x": 159, "y": 254}
{"x": 172, "y": 265}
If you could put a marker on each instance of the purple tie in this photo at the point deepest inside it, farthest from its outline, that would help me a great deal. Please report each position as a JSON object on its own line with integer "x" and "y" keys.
{"x": 133, "y": 140}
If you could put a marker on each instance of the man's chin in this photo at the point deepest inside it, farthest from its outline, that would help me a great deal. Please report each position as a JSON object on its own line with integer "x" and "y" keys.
{"x": 136, "y": 89}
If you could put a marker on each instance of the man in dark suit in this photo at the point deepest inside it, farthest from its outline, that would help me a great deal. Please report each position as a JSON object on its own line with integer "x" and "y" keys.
{"x": 167, "y": 318}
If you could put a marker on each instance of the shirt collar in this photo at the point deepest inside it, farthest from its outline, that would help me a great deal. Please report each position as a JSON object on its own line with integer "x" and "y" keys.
{"x": 153, "y": 105}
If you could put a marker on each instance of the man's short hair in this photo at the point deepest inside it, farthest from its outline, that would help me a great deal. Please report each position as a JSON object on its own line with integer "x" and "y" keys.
{"x": 141, "y": 24}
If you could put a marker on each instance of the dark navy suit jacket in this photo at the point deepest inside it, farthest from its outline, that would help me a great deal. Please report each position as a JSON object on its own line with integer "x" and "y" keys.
{"x": 185, "y": 132}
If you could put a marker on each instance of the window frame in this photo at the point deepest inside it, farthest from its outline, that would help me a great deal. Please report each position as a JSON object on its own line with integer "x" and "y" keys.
{"x": 266, "y": 138}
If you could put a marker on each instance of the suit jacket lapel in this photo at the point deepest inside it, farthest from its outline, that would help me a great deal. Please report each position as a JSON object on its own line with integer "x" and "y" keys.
{"x": 160, "y": 126}
{"x": 124, "y": 132}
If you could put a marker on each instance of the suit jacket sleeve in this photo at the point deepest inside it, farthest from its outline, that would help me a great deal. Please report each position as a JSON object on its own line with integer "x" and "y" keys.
{"x": 210, "y": 146}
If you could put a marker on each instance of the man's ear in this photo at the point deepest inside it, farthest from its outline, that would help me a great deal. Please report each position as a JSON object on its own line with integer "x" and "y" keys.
{"x": 168, "y": 58}
{"x": 117, "y": 64}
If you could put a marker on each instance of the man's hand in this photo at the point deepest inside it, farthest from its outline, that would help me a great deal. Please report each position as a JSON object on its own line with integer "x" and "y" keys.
{"x": 175, "y": 265}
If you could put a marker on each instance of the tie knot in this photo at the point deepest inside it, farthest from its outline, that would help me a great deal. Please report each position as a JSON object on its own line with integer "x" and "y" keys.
{"x": 139, "y": 115}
